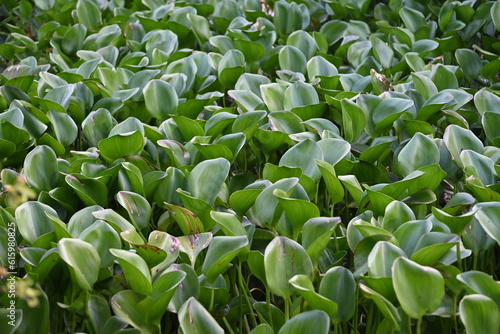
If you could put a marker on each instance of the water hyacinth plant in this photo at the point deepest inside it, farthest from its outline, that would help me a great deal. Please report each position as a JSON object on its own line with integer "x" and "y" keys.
{"x": 247, "y": 166}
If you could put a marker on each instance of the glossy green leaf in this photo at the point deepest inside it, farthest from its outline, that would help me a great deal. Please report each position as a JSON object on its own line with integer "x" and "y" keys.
{"x": 44, "y": 178}
{"x": 135, "y": 269}
{"x": 486, "y": 216}
{"x": 458, "y": 139}
{"x": 83, "y": 260}
{"x": 316, "y": 235}
{"x": 194, "y": 318}
{"x": 302, "y": 155}
{"x": 386, "y": 308}
{"x": 32, "y": 220}
{"x": 102, "y": 237}
{"x": 188, "y": 222}
{"x": 338, "y": 284}
{"x": 90, "y": 190}
{"x": 160, "y": 98}
{"x": 315, "y": 321}
{"x": 220, "y": 253}
{"x": 292, "y": 59}
{"x": 479, "y": 314}
{"x": 88, "y": 13}
{"x": 283, "y": 259}
{"x": 121, "y": 145}
{"x": 206, "y": 179}
{"x": 353, "y": 120}
{"x": 138, "y": 208}
{"x": 305, "y": 288}
{"x": 388, "y": 111}
{"x": 419, "y": 289}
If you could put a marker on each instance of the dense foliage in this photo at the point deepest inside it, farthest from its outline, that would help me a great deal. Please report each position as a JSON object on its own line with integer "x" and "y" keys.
{"x": 242, "y": 166}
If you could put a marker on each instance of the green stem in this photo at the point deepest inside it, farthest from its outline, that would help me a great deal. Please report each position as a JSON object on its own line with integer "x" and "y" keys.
{"x": 459, "y": 258}
{"x": 245, "y": 295}
{"x": 419, "y": 325}
{"x": 356, "y": 311}
{"x": 228, "y": 326}
{"x": 240, "y": 302}
{"x": 212, "y": 298}
{"x": 337, "y": 248}
{"x": 409, "y": 325}
{"x": 268, "y": 302}
{"x": 287, "y": 308}
{"x": 346, "y": 208}
{"x": 344, "y": 327}
{"x": 474, "y": 263}
{"x": 369, "y": 319}
{"x": 455, "y": 321}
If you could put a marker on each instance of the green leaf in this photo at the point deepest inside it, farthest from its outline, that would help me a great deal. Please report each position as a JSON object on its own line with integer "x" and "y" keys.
{"x": 64, "y": 127}
{"x": 389, "y": 111}
{"x": 353, "y": 120}
{"x": 253, "y": 51}
{"x": 102, "y": 237}
{"x": 201, "y": 28}
{"x": 409, "y": 234}
{"x": 160, "y": 98}
{"x": 479, "y": 314}
{"x": 486, "y": 215}
{"x": 229, "y": 223}
{"x": 243, "y": 200}
{"x": 419, "y": 289}
{"x": 386, "y": 308}
{"x": 333, "y": 184}
{"x": 195, "y": 319}
{"x": 313, "y": 321}
{"x": 97, "y": 125}
{"x": 382, "y": 258}
{"x": 90, "y": 190}
{"x": 485, "y": 101}
{"x": 135, "y": 269}
{"x": 283, "y": 259}
{"x": 121, "y": 145}
{"x": 119, "y": 223}
{"x": 458, "y": 139}
{"x": 316, "y": 235}
{"x": 319, "y": 66}
{"x": 88, "y": 13}
{"x": 262, "y": 329}
{"x": 495, "y": 14}
{"x": 207, "y": 178}
{"x": 444, "y": 78}
{"x": 302, "y": 155}
{"x": 41, "y": 169}
{"x": 338, "y": 284}
{"x": 298, "y": 211}
{"x": 298, "y": 94}
{"x": 305, "y": 288}
{"x": 273, "y": 94}
{"x": 482, "y": 283}
{"x": 424, "y": 85}
{"x": 413, "y": 20}
{"x": 221, "y": 252}
{"x": 292, "y": 59}
{"x": 188, "y": 222}
{"x": 32, "y": 220}
{"x": 479, "y": 166}
{"x": 83, "y": 260}
{"x": 192, "y": 245}
{"x": 469, "y": 62}
{"x": 125, "y": 305}
{"x": 396, "y": 213}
